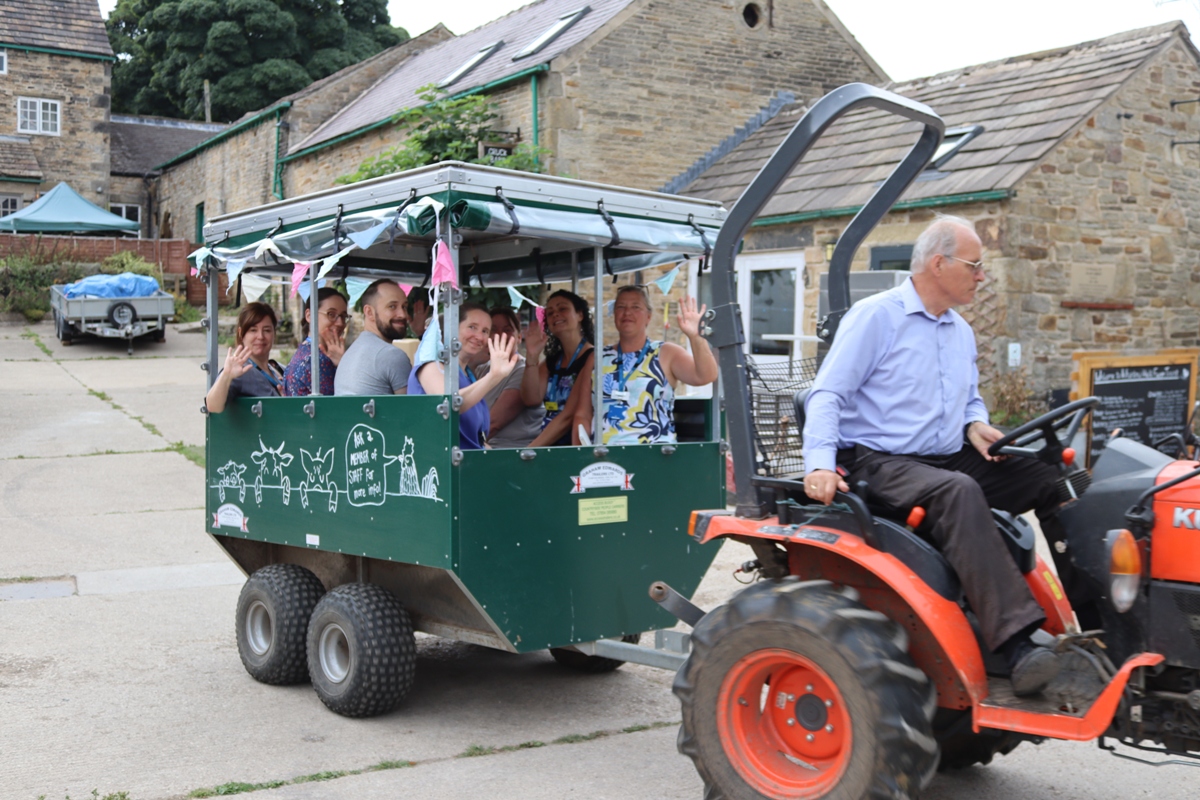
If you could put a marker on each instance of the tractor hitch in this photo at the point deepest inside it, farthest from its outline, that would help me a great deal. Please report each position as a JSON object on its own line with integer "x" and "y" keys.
{"x": 676, "y": 604}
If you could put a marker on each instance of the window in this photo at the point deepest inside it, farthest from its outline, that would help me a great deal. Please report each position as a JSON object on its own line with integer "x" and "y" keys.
{"x": 35, "y": 115}
{"x": 552, "y": 33}
{"x": 770, "y": 291}
{"x": 129, "y": 211}
{"x": 895, "y": 256}
{"x": 9, "y": 203}
{"x": 954, "y": 140}
{"x": 3, "y": 62}
{"x": 472, "y": 62}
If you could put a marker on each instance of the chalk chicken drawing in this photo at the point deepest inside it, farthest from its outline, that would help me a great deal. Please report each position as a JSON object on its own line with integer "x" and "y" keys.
{"x": 271, "y": 464}
{"x": 317, "y": 469}
{"x": 410, "y": 484}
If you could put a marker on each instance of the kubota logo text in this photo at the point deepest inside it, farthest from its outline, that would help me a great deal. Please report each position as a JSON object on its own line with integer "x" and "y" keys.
{"x": 1186, "y": 517}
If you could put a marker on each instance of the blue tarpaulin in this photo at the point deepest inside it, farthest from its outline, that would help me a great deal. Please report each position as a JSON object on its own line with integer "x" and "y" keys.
{"x": 63, "y": 210}
{"x": 127, "y": 284}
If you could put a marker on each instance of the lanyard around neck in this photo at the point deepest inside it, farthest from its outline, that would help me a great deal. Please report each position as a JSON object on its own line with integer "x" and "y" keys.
{"x": 561, "y": 365}
{"x": 622, "y": 378}
{"x": 266, "y": 374}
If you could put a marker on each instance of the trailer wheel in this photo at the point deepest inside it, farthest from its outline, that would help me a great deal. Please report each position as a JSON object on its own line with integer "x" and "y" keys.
{"x": 591, "y": 664}
{"x": 272, "y": 621}
{"x": 121, "y": 314}
{"x": 361, "y": 651}
{"x": 794, "y": 689}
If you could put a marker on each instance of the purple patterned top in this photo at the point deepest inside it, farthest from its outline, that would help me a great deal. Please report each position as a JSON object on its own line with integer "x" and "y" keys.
{"x": 297, "y": 379}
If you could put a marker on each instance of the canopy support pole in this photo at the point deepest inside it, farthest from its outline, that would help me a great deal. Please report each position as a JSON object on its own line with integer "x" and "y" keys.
{"x": 214, "y": 283}
{"x": 574, "y": 272}
{"x": 313, "y": 330}
{"x": 597, "y": 382}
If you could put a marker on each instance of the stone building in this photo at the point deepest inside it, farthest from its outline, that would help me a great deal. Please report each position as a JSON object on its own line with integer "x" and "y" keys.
{"x": 624, "y": 91}
{"x": 1077, "y": 166}
{"x": 55, "y": 73}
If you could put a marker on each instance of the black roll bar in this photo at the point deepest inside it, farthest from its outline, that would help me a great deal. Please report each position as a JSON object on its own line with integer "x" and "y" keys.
{"x": 723, "y": 321}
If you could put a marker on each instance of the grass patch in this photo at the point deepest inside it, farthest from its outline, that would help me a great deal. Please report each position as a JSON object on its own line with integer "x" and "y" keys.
{"x": 20, "y": 579}
{"x": 235, "y": 787}
{"x": 652, "y": 726}
{"x": 100, "y": 395}
{"x": 37, "y": 341}
{"x": 191, "y": 452}
{"x": 149, "y": 426}
{"x": 512, "y": 748}
{"x": 382, "y": 765}
{"x": 575, "y": 738}
{"x": 328, "y": 775}
{"x": 477, "y": 750}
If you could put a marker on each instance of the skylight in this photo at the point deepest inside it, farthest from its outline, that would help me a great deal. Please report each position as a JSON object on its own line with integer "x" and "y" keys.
{"x": 953, "y": 141}
{"x": 471, "y": 63}
{"x": 553, "y": 32}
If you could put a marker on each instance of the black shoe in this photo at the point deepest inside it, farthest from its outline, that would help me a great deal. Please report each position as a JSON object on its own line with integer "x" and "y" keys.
{"x": 1035, "y": 667}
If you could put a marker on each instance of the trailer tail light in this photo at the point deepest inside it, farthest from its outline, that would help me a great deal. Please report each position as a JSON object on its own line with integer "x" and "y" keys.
{"x": 1125, "y": 569}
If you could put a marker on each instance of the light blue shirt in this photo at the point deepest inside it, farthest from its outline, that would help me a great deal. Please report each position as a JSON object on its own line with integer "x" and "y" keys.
{"x": 897, "y": 380}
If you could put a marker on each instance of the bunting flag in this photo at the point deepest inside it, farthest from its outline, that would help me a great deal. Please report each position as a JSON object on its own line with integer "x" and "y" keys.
{"x": 299, "y": 269}
{"x": 268, "y": 245}
{"x": 199, "y": 254}
{"x": 406, "y": 288}
{"x": 517, "y": 299}
{"x": 304, "y": 290}
{"x": 443, "y": 266}
{"x": 541, "y": 316}
{"x": 356, "y": 287}
{"x": 608, "y": 308}
{"x": 364, "y": 239}
{"x": 233, "y": 268}
{"x": 431, "y": 344}
{"x": 667, "y": 281}
{"x": 329, "y": 263}
{"x": 253, "y": 286}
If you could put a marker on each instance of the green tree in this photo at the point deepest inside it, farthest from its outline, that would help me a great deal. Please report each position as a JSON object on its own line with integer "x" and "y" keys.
{"x": 445, "y": 128}
{"x": 252, "y": 52}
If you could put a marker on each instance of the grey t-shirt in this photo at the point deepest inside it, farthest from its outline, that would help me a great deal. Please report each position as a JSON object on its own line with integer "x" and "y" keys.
{"x": 526, "y": 425}
{"x": 372, "y": 366}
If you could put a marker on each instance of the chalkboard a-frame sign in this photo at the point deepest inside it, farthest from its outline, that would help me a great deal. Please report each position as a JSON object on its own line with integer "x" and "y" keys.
{"x": 1148, "y": 397}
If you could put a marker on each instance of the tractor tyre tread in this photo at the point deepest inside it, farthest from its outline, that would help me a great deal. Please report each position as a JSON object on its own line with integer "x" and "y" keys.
{"x": 902, "y": 698}
{"x": 383, "y": 650}
{"x": 290, "y": 593}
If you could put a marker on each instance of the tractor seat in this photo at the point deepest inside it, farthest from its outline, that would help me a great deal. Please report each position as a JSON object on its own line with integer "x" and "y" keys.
{"x": 918, "y": 554}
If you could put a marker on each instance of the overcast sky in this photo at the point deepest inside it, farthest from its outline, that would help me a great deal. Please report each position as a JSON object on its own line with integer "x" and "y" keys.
{"x": 909, "y": 38}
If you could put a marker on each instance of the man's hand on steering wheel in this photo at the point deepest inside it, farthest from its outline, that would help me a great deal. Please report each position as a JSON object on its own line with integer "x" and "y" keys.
{"x": 982, "y": 436}
{"x": 1070, "y": 416}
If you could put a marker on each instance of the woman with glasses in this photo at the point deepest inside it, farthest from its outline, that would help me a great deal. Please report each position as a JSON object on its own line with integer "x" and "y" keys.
{"x": 639, "y": 375}
{"x": 331, "y": 335}
{"x": 562, "y": 382}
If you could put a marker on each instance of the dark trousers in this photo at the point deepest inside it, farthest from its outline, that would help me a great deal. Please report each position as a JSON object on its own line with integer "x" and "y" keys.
{"x": 957, "y": 493}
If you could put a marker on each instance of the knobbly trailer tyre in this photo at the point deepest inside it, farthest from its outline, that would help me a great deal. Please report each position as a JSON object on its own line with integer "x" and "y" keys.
{"x": 361, "y": 650}
{"x": 794, "y": 689}
{"x": 273, "y": 611}
{"x": 581, "y": 662}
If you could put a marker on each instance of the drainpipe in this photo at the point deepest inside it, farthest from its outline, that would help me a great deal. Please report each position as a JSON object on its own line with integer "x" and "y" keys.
{"x": 277, "y": 187}
{"x": 533, "y": 86}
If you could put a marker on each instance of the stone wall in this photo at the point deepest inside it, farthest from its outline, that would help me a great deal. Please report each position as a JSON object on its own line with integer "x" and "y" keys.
{"x": 131, "y": 190}
{"x": 79, "y": 155}
{"x": 673, "y": 77}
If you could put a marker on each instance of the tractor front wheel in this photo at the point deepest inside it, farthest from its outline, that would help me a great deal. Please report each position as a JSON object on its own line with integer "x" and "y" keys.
{"x": 795, "y": 690}
{"x": 272, "y": 622}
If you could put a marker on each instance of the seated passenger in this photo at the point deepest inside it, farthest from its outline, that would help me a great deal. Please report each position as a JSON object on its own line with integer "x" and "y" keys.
{"x": 513, "y": 423}
{"x": 249, "y": 370}
{"x": 372, "y": 365}
{"x": 639, "y": 375}
{"x": 418, "y": 312}
{"x": 429, "y": 377}
{"x": 561, "y": 382}
{"x": 331, "y": 337}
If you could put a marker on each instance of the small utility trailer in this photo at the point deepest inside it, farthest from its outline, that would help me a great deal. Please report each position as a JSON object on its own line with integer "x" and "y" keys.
{"x": 360, "y": 520}
{"x": 125, "y": 318}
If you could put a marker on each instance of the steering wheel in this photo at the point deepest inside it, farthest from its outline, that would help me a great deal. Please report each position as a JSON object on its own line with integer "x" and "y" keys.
{"x": 1070, "y": 416}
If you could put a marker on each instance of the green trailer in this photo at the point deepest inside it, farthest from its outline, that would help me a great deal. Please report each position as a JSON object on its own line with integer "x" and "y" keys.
{"x": 359, "y": 520}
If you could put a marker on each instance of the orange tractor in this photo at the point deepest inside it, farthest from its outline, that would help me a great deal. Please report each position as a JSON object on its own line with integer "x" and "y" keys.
{"x": 854, "y": 667}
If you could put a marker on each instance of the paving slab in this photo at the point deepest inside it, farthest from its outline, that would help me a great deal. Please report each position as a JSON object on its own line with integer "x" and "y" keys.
{"x": 157, "y": 579}
{"x": 104, "y": 484}
{"x": 15, "y": 346}
{"x": 144, "y": 374}
{"x": 93, "y": 347}
{"x": 173, "y": 411}
{"x": 37, "y": 378}
{"x": 68, "y": 424}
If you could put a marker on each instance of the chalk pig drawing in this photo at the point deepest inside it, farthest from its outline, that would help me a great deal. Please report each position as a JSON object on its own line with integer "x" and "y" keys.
{"x": 271, "y": 463}
{"x": 317, "y": 469}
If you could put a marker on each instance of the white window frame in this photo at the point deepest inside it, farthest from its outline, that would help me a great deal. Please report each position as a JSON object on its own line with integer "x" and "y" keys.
{"x": 112, "y": 207}
{"x": 6, "y": 196}
{"x": 3, "y": 61}
{"x": 41, "y": 103}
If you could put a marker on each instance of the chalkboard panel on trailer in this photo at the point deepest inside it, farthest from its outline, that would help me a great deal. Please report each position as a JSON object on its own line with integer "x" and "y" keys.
{"x": 1147, "y": 397}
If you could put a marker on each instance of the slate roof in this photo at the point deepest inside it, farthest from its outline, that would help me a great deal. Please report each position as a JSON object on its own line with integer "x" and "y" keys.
{"x": 397, "y": 90}
{"x": 17, "y": 159}
{"x": 72, "y": 25}
{"x": 138, "y": 144}
{"x": 1027, "y": 105}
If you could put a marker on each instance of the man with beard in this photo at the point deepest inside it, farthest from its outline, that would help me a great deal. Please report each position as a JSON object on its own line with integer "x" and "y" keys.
{"x": 372, "y": 365}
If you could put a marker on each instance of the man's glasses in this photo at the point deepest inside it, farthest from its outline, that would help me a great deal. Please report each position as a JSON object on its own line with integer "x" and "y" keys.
{"x": 976, "y": 266}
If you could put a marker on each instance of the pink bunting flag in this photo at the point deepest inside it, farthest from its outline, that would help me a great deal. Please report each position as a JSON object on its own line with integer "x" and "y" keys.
{"x": 541, "y": 316}
{"x": 406, "y": 288}
{"x": 443, "y": 266}
{"x": 298, "y": 271}
{"x": 195, "y": 272}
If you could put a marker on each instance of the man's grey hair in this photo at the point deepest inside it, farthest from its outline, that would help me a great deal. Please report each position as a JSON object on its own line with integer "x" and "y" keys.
{"x": 940, "y": 238}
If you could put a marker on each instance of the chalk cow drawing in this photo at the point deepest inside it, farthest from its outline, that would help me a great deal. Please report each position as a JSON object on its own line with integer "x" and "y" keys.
{"x": 271, "y": 463}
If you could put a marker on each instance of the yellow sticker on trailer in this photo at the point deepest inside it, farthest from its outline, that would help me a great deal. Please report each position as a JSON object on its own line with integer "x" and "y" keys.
{"x": 603, "y": 510}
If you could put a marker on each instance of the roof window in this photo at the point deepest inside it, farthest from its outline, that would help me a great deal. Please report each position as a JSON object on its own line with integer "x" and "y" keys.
{"x": 553, "y": 32}
{"x": 470, "y": 64}
{"x": 953, "y": 141}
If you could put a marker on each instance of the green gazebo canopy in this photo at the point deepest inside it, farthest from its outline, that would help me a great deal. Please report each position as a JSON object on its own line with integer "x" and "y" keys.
{"x": 63, "y": 210}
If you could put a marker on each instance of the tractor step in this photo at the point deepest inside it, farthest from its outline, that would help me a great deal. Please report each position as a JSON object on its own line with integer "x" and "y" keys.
{"x": 1071, "y": 693}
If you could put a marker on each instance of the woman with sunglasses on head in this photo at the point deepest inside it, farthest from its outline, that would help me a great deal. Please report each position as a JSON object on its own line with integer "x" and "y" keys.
{"x": 562, "y": 381}
{"x": 331, "y": 335}
{"x": 639, "y": 375}
{"x": 249, "y": 370}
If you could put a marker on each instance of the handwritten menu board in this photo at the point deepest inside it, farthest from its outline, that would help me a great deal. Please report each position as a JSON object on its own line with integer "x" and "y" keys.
{"x": 1148, "y": 397}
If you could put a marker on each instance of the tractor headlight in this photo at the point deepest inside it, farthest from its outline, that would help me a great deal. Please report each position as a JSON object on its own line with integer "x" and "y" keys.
{"x": 1125, "y": 569}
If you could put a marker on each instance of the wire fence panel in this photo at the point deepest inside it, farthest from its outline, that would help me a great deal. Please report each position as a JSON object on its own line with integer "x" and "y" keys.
{"x": 773, "y": 388}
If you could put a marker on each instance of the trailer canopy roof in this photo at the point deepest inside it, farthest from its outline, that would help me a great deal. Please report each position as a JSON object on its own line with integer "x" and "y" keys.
{"x": 517, "y": 228}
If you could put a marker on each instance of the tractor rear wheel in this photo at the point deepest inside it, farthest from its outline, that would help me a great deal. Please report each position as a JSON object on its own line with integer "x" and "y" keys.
{"x": 272, "y": 622}
{"x": 795, "y": 690}
{"x": 362, "y": 654}
{"x": 592, "y": 664}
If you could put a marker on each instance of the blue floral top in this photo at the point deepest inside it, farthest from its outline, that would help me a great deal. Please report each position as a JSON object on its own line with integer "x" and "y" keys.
{"x": 297, "y": 379}
{"x": 643, "y": 408}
